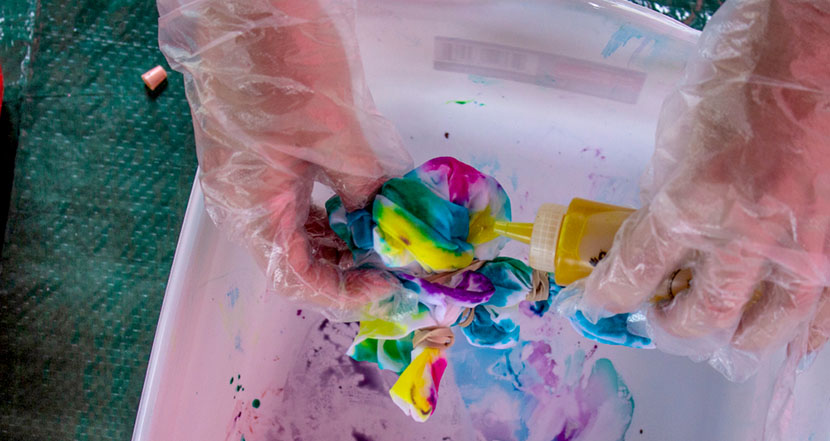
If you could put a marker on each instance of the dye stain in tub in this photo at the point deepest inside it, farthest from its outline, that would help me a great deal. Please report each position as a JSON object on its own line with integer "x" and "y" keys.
{"x": 239, "y": 387}
{"x": 463, "y": 102}
{"x": 255, "y": 403}
{"x": 357, "y": 436}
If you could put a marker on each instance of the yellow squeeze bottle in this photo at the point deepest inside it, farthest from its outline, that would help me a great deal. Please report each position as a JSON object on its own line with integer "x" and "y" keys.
{"x": 568, "y": 241}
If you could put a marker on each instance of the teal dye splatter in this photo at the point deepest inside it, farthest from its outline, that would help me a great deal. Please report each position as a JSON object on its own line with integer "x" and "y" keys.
{"x": 233, "y": 296}
{"x": 611, "y": 331}
{"x": 620, "y": 39}
{"x": 514, "y": 180}
{"x": 255, "y": 403}
{"x": 463, "y": 102}
{"x": 546, "y": 402}
{"x": 237, "y": 343}
{"x": 478, "y": 79}
{"x": 238, "y": 388}
{"x": 231, "y": 381}
{"x": 487, "y": 162}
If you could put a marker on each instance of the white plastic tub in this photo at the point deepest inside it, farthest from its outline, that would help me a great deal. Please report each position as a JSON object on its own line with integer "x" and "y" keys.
{"x": 562, "y": 101}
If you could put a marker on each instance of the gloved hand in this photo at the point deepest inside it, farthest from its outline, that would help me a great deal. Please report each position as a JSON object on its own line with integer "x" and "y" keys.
{"x": 738, "y": 191}
{"x": 278, "y": 99}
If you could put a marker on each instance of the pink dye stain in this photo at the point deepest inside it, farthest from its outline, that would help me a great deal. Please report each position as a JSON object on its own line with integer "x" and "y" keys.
{"x": 460, "y": 177}
{"x": 438, "y": 367}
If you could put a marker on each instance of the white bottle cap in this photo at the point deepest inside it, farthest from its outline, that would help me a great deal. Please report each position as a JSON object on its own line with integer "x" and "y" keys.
{"x": 545, "y": 236}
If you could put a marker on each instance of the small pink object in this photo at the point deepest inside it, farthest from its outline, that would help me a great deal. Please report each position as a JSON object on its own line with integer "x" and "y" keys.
{"x": 153, "y": 77}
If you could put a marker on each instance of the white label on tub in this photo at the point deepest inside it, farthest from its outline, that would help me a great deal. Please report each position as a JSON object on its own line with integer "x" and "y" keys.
{"x": 540, "y": 68}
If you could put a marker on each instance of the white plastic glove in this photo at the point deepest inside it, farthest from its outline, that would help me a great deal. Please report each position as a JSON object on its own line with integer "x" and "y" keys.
{"x": 278, "y": 99}
{"x": 738, "y": 190}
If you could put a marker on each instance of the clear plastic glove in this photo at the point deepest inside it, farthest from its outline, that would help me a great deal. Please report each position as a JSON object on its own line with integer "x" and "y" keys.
{"x": 738, "y": 191}
{"x": 278, "y": 99}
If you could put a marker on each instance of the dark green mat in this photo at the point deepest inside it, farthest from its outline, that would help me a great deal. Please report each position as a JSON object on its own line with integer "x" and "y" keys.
{"x": 694, "y": 13}
{"x": 101, "y": 178}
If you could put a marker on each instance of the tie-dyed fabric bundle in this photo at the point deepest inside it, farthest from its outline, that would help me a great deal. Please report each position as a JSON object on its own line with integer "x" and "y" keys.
{"x": 439, "y": 217}
{"x": 434, "y": 229}
{"x": 496, "y": 290}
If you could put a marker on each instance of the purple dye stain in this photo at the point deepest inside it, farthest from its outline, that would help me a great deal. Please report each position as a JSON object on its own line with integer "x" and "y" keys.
{"x": 555, "y": 401}
{"x": 371, "y": 377}
{"x": 597, "y": 152}
{"x": 540, "y": 359}
{"x": 299, "y": 311}
{"x": 591, "y": 352}
{"x": 573, "y": 413}
{"x": 357, "y": 436}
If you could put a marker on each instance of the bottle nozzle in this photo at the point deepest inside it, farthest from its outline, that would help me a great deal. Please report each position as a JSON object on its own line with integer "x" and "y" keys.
{"x": 514, "y": 230}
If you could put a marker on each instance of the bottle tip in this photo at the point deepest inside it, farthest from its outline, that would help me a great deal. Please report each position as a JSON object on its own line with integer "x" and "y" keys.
{"x": 514, "y": 230}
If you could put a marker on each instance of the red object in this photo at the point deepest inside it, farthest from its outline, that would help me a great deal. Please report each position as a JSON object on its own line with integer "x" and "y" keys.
{"x": 153, "y": 77}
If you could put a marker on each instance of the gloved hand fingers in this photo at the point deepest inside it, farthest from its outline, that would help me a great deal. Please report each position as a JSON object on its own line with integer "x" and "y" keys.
{"x": 310, "y": 263}
{"x": 644, "y": 254}
{"x": 283, "y": 79}
{"x": 325, "y": 244}
{"x": 278, "y": 100}
{"x": 357, "y": 190}
{"x": 720, "y": 287}
{"x": 820, "y": 326}
{"x": 771, "y": 319}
